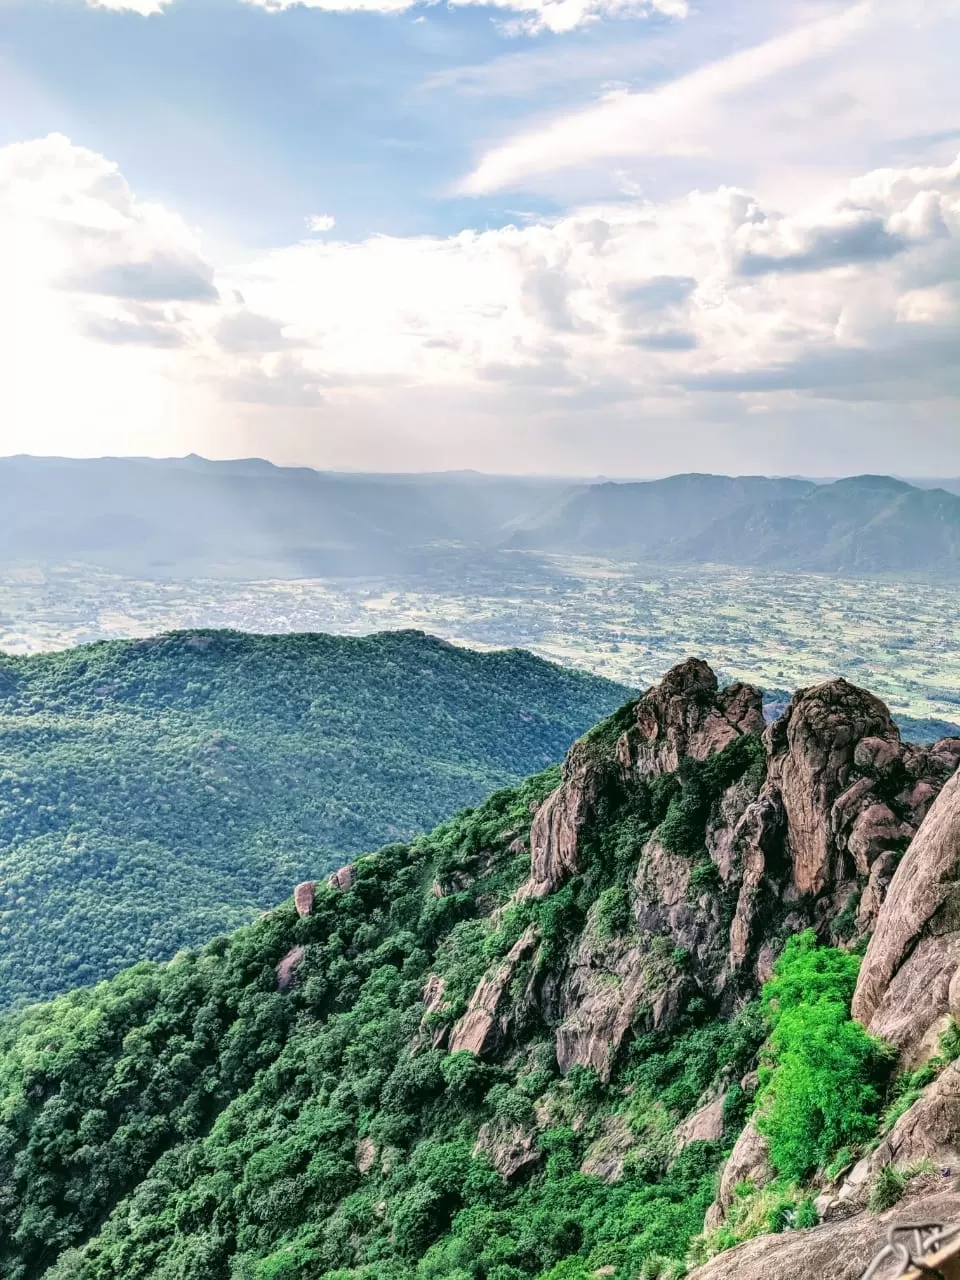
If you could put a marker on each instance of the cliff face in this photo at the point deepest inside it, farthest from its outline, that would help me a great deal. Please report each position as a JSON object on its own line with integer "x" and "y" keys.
{"x": 907, "y": 992}
{"x": 809, "y": 836}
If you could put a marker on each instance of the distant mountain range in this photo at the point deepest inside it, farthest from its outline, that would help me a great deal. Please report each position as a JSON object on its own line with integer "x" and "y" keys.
{"x": 189, "y": 517}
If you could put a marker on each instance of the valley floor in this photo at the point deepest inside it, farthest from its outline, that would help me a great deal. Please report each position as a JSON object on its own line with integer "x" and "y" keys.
{"x": 626, "y": 622}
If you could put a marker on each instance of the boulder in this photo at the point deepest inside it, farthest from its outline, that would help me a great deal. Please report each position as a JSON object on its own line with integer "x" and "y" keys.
{"x": 342, "y": 879}
{"x": 303, "y": 896}
{"x": 288, "y": 966}
{"x": 704, "y": 1125}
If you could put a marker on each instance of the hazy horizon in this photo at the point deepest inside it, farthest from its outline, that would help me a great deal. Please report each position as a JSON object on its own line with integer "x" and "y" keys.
{"x": 571, "y": 477}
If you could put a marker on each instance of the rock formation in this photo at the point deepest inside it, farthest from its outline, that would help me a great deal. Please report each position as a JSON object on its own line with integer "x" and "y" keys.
{"x": 819, "y": 840}
{"x": 490, "y": 1013}
{"x": 687, "y": 715}
{"x": 913, "y": 956}
{"x": 835, "y": 1251}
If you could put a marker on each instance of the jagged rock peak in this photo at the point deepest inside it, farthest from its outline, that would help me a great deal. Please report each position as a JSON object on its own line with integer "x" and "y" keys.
{"x": 687, "y": 714}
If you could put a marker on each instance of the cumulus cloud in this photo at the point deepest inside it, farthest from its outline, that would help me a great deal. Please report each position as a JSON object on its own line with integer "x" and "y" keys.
{"x": 533, "y": 15}
{"x": 78, "y": 226}
{"x": 321, "y": 222}
{"x": 101, "y": 301}
{"x": 713, "y": 291}
{"x": 711, "y": 304}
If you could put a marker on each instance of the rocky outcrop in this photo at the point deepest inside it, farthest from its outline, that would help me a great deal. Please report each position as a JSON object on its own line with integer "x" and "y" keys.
{"x": 704, "y": 1125}
{"x": 342, "y": 879}
{"x": 915, "y": 948}
{"x": 605, "y": 1156}
{"x": 609, "y": 988}
{"x": 288, "y": 966}
{"x": 914, "y": 1008}
{"x": 555, "y": 835}
{"x": 837, "y": 1250}
{"x": 812, "y": 749}
{"x": 930, "y": 1130}
{"x": 365, "y": 1155}
{"x": 687, "y": 714}
{"x": 433, "y": 1030}
{"x": 749, "y": 1161}
{"x": 508, "y": 1146}
{"x": 754, "y": 844}
{"x": 490, "y": 1012}
{"x": 303, "y": 896}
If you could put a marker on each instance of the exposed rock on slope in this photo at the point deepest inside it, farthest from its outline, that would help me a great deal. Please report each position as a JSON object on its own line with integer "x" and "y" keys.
{"x": 908, "y": 985}
{"x": 821, "y": 830}
{"x": 835, "y": 1251}
{"x": 913, "y": 956}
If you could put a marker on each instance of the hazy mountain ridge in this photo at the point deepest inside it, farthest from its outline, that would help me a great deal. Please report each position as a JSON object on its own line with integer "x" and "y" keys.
{"x": 250, "y": 519}
{"x": 526, "y": 1045}
{"x": 156, "y": 792}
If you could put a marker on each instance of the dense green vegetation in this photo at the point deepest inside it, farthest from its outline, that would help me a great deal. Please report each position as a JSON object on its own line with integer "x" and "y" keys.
{"x": 190, "y": 1120}
{"x": 154, "y": 793}
{"x": 822, "y": 1088}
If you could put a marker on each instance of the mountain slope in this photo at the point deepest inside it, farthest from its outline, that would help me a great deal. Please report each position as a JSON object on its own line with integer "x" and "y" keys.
{"x": 525, "y": 1045}
{"x": 637, "y": 519}
{"x": 863, "y": 525}
{"x": 154, "y": 793}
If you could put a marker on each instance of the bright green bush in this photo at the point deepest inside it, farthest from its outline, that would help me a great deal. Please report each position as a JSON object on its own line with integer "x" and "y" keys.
{"x": 822, "y": 1085}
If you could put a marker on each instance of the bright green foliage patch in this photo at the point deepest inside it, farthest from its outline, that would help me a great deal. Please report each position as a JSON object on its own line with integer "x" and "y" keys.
{"x": 822, "y": 1087}
{"x": 154, "y": 793}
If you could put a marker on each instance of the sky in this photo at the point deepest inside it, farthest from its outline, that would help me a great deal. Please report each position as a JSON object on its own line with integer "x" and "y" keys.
{"x": 619, "y": 237}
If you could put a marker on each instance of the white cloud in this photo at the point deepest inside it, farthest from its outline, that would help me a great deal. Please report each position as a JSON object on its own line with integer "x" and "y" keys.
{"x": 590, "y": 333}
{"x": 659, "y": 122}
{"x": 536, "y": 15}
{"x": 650, "y": 296}
{"x": 321, "y": 222}
{"x": 144, "y": 7}
{"x": 820, "y": 100}
{"x": 100, "y": 291}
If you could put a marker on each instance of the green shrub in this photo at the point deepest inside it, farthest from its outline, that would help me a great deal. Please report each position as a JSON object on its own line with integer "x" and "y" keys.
{"x": 890, "y": 1182}
{"x": 821, "y": 1088}
{"x": 612, "y": 912}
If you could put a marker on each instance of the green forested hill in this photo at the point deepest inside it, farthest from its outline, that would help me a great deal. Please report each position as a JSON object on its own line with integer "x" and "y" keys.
{"x": 154, "y": 793}
{"x": 193, "y": 1122}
